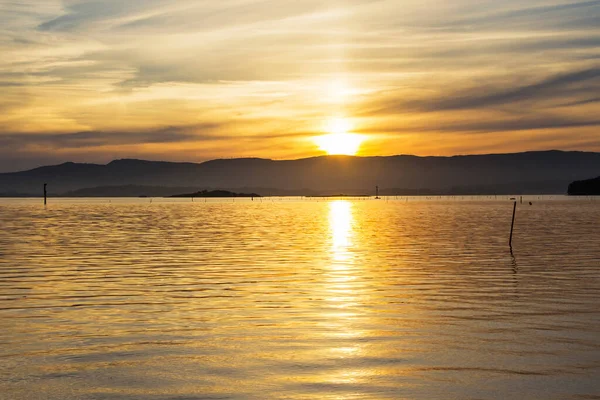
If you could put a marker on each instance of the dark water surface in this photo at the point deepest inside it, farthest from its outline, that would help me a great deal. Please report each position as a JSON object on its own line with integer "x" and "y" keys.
{"x": 357, "y": 299}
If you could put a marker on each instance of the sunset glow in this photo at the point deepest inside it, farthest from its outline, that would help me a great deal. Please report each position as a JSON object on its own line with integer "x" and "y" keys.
{"x": 340, "y": 141}
{"x": 346, "y": 144}
{"x": 90, "y": 81}
{"x": 267, "y": 199}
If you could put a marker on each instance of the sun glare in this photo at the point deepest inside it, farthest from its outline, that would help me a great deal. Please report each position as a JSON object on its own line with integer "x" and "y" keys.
{"x": 339, "y": 141}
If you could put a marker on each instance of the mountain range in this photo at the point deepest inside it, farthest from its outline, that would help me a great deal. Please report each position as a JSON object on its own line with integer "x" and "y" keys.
{"x": 545, "y": 172}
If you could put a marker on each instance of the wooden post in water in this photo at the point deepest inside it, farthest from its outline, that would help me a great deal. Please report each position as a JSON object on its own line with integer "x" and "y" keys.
{"x": 45, "y": 194}
{"x": 512, "y": 225}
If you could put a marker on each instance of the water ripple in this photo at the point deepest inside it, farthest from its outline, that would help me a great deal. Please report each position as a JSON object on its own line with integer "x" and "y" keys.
{"x": 299, "y": 299}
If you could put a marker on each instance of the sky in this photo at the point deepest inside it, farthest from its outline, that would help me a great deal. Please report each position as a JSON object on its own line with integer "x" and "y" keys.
{"x": 193, "y": 80}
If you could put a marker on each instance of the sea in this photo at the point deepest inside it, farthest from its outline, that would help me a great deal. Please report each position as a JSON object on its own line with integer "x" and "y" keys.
{"x": 300, "y": 298}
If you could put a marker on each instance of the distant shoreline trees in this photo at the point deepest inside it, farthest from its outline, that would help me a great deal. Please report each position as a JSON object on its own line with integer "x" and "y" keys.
{"x": 589, "y": 187}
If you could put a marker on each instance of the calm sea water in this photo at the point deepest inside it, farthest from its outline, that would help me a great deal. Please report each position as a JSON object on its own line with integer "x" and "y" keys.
{"x": 288, "y": 299}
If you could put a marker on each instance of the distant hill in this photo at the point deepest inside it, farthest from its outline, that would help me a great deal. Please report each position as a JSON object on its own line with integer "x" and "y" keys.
{"x": 589, "y": 187}
{"x": 157, "y": 191}
{"x": 216, "y": 193}
{"x": 126, "y": 191}
{"x": 547, "y": 172}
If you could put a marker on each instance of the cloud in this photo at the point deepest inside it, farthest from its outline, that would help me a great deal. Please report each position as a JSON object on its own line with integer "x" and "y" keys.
{"x": 107, "y": 138}
{"x": 545, "y": 93}
{"x": 575, "y": 14}
{"x": 12, "y": 84}
{"x": 207, "y": 132}
{"x": 80, "y": 14}
{"x": 522, "y": 124}
{"x": 583, "y": 102}
{"x": 487, "y": 125}
{"x": 585, "y": 81}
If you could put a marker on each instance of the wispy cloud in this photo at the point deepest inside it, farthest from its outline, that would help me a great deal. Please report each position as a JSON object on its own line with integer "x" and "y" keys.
{"x": 105, "y": 138}
{"x": 574, "y": 14}
{"x": 580, "y": 83}
{"x": 83, "y": 77}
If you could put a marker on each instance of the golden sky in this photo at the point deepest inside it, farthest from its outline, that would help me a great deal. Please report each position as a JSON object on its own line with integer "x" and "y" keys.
{"x": 192, "y": 80}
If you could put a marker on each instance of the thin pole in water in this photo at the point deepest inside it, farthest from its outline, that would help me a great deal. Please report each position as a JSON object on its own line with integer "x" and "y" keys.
{"x": 45, "y": 194}
{"x": 512, "y": 226}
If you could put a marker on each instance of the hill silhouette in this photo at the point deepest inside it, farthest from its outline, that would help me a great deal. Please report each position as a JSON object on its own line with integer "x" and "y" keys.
{"x": 216, "y": 193}
{"x": 531, "y": 172}
{"x": 127, "y": 191}
{"x": 588, "y": 187}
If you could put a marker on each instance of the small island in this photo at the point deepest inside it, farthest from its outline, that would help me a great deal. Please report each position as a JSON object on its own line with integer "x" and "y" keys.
{"x": 589, "y": 187}
{"x": 216, "y": 193}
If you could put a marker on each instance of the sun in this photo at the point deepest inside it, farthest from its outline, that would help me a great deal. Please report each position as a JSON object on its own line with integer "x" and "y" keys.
{"x": 339, "y": 141}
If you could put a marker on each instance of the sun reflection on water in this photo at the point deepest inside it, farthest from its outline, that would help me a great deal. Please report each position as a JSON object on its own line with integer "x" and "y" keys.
{"x": 343, "y": 312}
{"x": 341, "y": 280}
{"x": 340, "y": 221}
{"x": 341, "y": 277}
